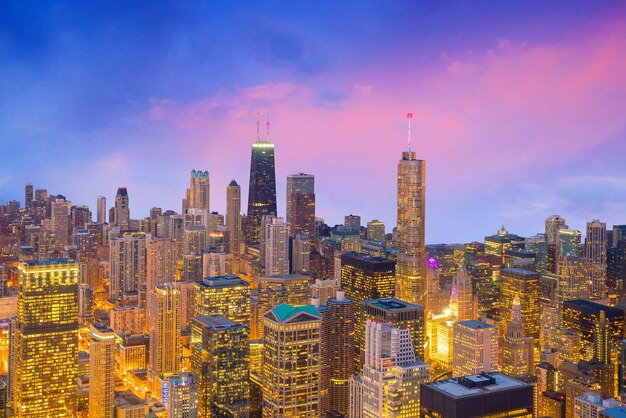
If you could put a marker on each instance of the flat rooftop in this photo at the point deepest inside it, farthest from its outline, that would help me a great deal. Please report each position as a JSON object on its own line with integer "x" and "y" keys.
{"x": 222, "y": 281}
{"x": 475, "y": 324}
{"x": 217, "y": 322}
{"x": 453, "y": 388}
{"x": 392, "y": 304}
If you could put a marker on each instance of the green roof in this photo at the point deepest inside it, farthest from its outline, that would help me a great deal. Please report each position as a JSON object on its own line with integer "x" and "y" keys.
{"x": 284, "y": 311}
{"x": 233, "y": 183}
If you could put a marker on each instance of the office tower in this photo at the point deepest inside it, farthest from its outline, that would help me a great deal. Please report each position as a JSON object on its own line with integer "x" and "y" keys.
{"x": 352, "y": 222}
{"x": 497, "y": 245}
{"x": 517, "y": 349}
{"x": 595, "y": 252}
{"x": 276, "y": 247}
{"x": 291, "y": 361}
{"x": 300, "y": 253}
{"x": 324, "y": 289}
{"x": 482, "y": 395}
{"x": 337, "y": 339}
{"x": 589, "y": 405}
{"x": 475, "y": 348}
{"x": 180, "y": 395}
{"x": 198, "y": 193}
{"x": 568, "y": 243}
{"x": 619, "y": 234}
{"x": 233, "y": 221}
{"x": 525, "y": 285}
{"x": 164, "y": 325}
{"x": 216, "y": 263}
{"x": 161, "y": 259}
{"x": 486, "y": 283}
{"x": 411, "y": 283}
{"x": 389, "y": 383}
{"x": 376, "y": 230}
{"x": 601, "y": 340}
{"x": 28, "y": 196}
{"x": 365, "y": 277}
{"x": 463, "y": 305}
{"x": 187, "y": 302}
{"x": 194, "y": 239}
{"x": 292, "y": 289}
{"x": 60, "y": 216}
{"x": 101, "y": 210}
{"x": 46, "y": 339}
{"x": 262, "y": 188}
{"x": 301, "y": 203}
{"x": 554, "y": 224}
{"x": 220, "y": 356}
{"x": 228, "y": 296}
{"x": 572, "y": 282}
{"x": 122, "y": 209}
{"x": 101, "y": 371}
{"x": 581, "y": 317}
{"x": 400, "y": 314}
{"x": 127, "y": 320}
{"x": 131, "y": 353}
{"x": 127, "y": 263}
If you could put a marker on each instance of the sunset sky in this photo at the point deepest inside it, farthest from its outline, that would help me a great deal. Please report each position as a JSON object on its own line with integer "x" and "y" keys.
{"x": 520, "y": 107}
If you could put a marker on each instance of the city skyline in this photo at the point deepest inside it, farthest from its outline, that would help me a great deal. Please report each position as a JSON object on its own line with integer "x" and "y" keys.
{"x": 518, "y": 112}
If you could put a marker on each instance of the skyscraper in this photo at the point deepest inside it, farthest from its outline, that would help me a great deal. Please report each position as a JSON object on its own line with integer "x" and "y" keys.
{"x": 28, "y": 196}
{"x": 595, "y": 251}
{"x": 60, "y": 215}
{"x": 411, "y": 264}
{"x": 101, "y": 210}
{"x": 161, "y": 258}
{"x": 291, "y": 362}
{"x": 164, "y": 326}
{"x": 276, "y": 247}
{"x": 46, "y": 340}
{"x": 233, "y": 222}
{"x": 127, "y": 263}
{"x": 365, "y": 277}
{"x": 475, "y": 348}
{"x": 517, "y": 349}
{"x": 101, "y": 369}
{"x": 376, "y": 230}
{"x": 198, "y": 193}
{"x": 180, "y": 395}
{"x": 228, "y": 296}
{"x": 220, "y": 356}
{"x": 301, "y": 203}
{"x": 523, "y": 284}
{"x": 554, "y": 224}
{"x": 122, "y": 209}
{"x": 262, "y": 188}
{"x": 300, "y": 253}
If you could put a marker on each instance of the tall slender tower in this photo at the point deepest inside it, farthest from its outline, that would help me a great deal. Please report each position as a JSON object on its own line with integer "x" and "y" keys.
{"x": 233, "y": 221}
{"x": 122, "y": 209}
{"x": 276, "y": 247}
{"x": 516, "y": 349}
{"x": 301, "y": 203}
{"x": 411, "y": 265}
{"x": 198, "y": 193}
{"x": 28, "y": 195}
{"x": 46, "y": 339}
{"x": 164, "y": 323}
{"x": 262, "y": 191}
{"x": 102, "y": 210}
{"x": 101, "y": 367}
{"x": 595, "y": 251}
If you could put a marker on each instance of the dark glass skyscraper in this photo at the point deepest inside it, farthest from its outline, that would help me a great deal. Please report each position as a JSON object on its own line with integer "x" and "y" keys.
{"x": 262, "y": 191}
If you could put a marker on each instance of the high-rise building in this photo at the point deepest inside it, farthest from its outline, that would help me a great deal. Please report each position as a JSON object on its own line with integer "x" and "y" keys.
{"x": 376, "y": 230}
{"x": 291, "y": 362}
{"x": 589, "y": 405}
{"x": 228, "y": 296}
{"x": 161, "y": 259}
{"x": 164, "y": 327}
{"x": 389, "y": 383}
{"x": 46, "y": 339}
{"x": 101, "y": 210}
{"x": 102, "y": 350}
{"x": 60, "y": 216}
{"x": 301, "y": 203}
{"x": 595, "y": 252}
{"x": 220, "y": 356}
{"x": 475, "y": 348}
{"x": 127, "y": 320}
{"x": 411, "y": 283}
{"x": 198, "y": 193}
{"x": 572, "y": 282}
{"x": 337, "y": 339}
{"x": 365, "y": 277}
{"x": 517, "y": 349}
{"x": 568, "y": 243}
{"x": 233, "y": 222}
{"x": 352, "y": 222}
{"x": 121, "y": 210}
{"x": 180, "y": 395}
{"x": 127, "y": 263}
{"x": 554, "y": 224}
{"x": 400, "y": 314}
{"x": 262, "y": 191}
{"x": 481, "y": 395}
{"x": 463, "y": 304}
{"x": 276, "y": 247}
{"x": 300, "y": 253}
{"x": 28, "y": 195}
{"x": 523, "y": 284}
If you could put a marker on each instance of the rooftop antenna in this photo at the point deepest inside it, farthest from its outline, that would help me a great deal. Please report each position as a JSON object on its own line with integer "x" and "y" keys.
{"x": 258, "y": 126}
{"x": 267, "y": 129}
{"x": 409, "y": 116}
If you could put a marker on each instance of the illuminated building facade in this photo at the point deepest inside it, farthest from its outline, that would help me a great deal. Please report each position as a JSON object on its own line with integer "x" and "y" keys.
{"x": 364, "y": 277}
{"x": 595, "y": 252}
{"x": 516, "y": 349}
{"x": 376, "y": 230}
{"x": 276, "y": 245}
{"x": 301, "y": 203}
{"x": 291, "y": 362}
{"x": 411, "y": 283}
{"x": 300, "y": 253}
{"x": 228, "y": 296}
{"x": 262, "y": 188}
{"x": 180, "y": 395}
{"x": 121, "y": 211}
{"x": 46, "y": 339}
{"x": 475, "y": 348}
{"x": 291, "y": 289}
{"x": 523, "y": 284}
{"x": 198, "y": 193}
{"x": 164, "y": 327}
{"x": 161, "y": 257}
{"x": 233, "y": 222}
{"x": 553, "y": 225}
{"x": 127, "y": 263}
{"x": 101, "y": 371}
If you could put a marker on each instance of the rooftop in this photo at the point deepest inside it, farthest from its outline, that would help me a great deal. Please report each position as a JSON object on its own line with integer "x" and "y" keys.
{"x": 222, "y": 281}
{"x": 217, "y": 322}
{"x": 453, "y": 388}
{"x": 520, "y": 272}
{"x": 49, "y": 262}
{"x": 474, "y": 324}
{"x": 392, "y": 304}
{"x": 284, "y": 311}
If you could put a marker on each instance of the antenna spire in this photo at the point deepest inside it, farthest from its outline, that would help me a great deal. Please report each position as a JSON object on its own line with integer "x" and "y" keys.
{"x": 267, "y": 128}
{"x": 258, "y": 127}
{"x": 409, "y": 117}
